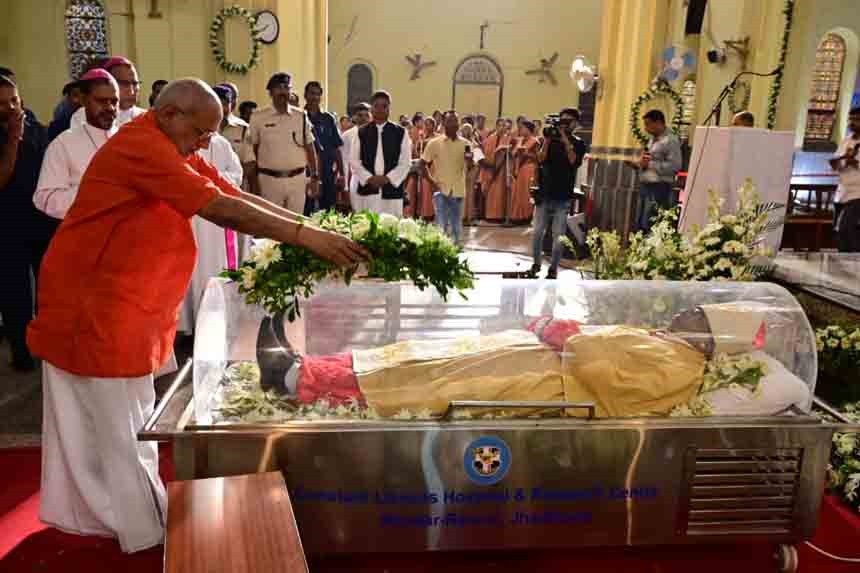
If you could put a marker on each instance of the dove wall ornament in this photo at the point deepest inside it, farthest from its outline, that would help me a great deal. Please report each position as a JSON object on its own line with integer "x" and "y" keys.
{"x": 418, "y": 66}
{"x": 544, "y": 72}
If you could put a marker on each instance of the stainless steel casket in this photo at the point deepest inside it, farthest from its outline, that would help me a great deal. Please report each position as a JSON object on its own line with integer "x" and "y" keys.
{"x": 362, "y": 485}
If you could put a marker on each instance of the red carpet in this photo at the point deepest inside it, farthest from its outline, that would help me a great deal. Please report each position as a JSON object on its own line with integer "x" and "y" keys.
{"x": 28, "y": 546}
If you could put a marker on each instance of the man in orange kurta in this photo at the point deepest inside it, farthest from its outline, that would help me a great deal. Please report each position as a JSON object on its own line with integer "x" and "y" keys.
{"x": 111, "y": 285}
{"x": 494, "y": 180}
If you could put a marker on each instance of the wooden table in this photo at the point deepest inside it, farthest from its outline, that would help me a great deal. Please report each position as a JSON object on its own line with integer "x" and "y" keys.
{"x": 241, "y": 524}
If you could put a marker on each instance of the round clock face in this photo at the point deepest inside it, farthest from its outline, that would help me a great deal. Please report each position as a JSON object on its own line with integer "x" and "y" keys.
{"x": 268, "y": 27}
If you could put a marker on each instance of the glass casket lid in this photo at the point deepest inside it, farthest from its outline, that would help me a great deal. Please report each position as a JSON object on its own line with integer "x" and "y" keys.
{"x": 382, "y": 351}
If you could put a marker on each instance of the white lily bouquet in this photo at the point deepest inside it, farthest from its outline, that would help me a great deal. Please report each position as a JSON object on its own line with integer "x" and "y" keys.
{"x": 276, "y": 274}
{"x": 844, "y": 469}
{"x": 730, "y": 247}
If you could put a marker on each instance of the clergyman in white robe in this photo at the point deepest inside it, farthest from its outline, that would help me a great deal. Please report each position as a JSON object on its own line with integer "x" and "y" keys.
{"x": 215, "y": 245}
{"x": 66, "y": 160}
{"x": 123, "y": 116}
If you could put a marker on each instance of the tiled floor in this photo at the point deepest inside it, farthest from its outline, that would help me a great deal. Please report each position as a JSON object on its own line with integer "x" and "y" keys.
{"x": 494, "y": 249}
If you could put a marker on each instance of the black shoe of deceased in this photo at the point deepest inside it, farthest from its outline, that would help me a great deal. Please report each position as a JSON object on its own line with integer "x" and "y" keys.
{"x": 278, "y": 362}
{"x": 552, "y": 273}
{"x": 534, "y": 271}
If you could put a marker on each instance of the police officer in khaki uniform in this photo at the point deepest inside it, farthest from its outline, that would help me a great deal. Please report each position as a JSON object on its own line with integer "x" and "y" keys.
{"x": 283, "y": 158}
{"x": 233, "y": 128}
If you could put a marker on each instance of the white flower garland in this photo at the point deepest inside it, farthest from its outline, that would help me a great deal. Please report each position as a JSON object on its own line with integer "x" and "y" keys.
{"x": 217, "y": 44}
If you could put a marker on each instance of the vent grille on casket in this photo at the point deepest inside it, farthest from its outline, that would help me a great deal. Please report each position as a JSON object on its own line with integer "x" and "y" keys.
{"x": 742, "y": 492}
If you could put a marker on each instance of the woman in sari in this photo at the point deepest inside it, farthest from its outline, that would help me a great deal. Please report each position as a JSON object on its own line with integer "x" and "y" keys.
{"x": 525, "y": 172}
{"x": 468, "y": 132}
{"x": 424, "y": 200}
{"x": 416, "y": 135}
{"x": 494, "y": 180}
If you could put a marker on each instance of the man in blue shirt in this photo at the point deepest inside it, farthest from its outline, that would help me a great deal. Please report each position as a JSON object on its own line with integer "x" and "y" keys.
{"x": 24, "y": 231}
{"x": 328, "y": 144}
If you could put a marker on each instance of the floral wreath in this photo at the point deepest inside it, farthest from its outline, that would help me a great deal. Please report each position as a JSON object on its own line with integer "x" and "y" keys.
{"x": 744, "y": 89}
{"x": 660, "y": 87}
{"x": 217, "y": 43}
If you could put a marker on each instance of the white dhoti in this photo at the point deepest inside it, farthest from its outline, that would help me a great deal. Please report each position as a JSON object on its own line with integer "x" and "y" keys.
{"x": 211, "y": 260}
{"x": 97, "y": 479}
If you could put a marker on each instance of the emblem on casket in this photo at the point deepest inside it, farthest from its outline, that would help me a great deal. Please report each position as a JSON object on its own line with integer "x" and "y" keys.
{"x": 487, "y": 460}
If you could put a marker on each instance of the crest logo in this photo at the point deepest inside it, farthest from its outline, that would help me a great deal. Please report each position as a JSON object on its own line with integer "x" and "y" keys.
{"x": 487, "y": 460}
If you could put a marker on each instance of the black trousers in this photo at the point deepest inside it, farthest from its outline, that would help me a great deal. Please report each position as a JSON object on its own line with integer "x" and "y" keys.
{"x": 653, "y": 196}
{"x": 847, "y": 218}
{"x": 23, "y": 252}
{"x": 328, "y": 193}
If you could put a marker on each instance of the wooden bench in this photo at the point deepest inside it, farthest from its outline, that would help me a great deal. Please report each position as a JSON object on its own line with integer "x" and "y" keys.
{"x": 241, "y": 524}
{"x": 809, "y": 214}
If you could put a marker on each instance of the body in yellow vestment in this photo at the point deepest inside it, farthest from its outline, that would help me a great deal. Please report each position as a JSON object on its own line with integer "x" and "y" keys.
{"x": 623, "y": 371}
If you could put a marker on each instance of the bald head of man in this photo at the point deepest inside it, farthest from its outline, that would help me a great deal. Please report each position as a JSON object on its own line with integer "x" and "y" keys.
{"x": 189, "y": 113}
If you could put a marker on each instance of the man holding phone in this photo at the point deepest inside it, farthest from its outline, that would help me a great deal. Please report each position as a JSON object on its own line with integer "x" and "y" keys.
{"x": 659, "y": 164}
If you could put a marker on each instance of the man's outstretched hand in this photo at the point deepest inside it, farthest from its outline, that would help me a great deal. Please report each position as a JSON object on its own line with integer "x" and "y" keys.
{"x": 331, "y": 246}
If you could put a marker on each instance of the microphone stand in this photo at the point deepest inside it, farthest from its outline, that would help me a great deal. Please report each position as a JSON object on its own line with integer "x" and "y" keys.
{"x": 717, "y": 110}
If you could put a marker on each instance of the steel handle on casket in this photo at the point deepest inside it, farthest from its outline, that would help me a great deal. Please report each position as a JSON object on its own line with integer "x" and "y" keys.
{"x": 517, "y": 404}
{"x": 845, "y": 424}
{"x": 148, "y": 432}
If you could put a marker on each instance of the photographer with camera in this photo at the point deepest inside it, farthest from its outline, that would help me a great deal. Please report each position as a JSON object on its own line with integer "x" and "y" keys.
{"x": 559, "y": 157}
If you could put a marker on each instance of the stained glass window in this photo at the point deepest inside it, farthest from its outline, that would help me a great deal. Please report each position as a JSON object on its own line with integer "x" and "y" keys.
{"x": 86, "y": 34}
{"x": 826, "y": 85}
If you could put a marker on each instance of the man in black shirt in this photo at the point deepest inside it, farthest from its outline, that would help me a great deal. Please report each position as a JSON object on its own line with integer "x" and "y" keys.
{"x": 24, "y": 230}
{"x": 560, "y": 156}
{"x": 328, "y": 144}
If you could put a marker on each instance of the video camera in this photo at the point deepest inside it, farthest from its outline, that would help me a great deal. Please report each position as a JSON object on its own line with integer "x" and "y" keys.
{"x": 554, "y": 124}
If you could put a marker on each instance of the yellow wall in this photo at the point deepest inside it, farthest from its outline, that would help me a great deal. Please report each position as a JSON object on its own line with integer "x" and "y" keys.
{"x": 763, "y": 21}
{"x": 447, "y": 31}
{"x": 32, "y": 42}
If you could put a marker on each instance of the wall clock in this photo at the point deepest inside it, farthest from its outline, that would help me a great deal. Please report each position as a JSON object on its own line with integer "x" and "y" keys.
{"x": 268, "y": 27}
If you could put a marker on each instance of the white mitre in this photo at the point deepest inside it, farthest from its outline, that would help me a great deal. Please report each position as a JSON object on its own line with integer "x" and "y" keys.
{"x": 735, "y": 325}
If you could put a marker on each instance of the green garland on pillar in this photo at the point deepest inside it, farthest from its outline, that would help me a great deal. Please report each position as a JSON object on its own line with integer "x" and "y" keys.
{"x": 217, "y": 44}
{"x": 776, "y": 86}
{"x": 659, "y": 87}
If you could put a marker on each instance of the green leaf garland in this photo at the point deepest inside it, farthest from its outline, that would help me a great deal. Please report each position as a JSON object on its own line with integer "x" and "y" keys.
{"x": 277, "y": 275}
{"x": 217, "y": 44}
{"x": 776, "y": 86}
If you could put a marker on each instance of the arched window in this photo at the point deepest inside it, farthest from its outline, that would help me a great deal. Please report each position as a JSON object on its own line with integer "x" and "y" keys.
{"x": 478, "y": 86}
{"x": 359, "y": 85}
{"x": 86, "y": 34}
{"x": 826, "y": 84}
